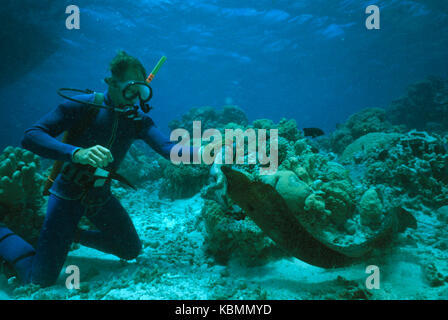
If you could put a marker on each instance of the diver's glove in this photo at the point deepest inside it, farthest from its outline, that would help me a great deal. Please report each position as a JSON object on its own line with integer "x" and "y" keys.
{"x": 97, "y": 156}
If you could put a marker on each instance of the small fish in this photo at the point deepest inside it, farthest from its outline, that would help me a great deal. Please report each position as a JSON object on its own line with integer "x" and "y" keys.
{"x": 313, "y": 132}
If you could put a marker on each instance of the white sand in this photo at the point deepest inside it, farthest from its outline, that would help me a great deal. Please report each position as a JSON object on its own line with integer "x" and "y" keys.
{"x": 173, "y": 265}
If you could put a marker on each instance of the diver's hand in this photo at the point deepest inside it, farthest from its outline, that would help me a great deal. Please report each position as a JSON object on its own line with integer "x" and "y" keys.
{"x": 97, "y": 156}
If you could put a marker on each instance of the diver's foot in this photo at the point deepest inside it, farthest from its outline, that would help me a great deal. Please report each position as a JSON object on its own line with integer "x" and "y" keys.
{"x": 6, "y": 269}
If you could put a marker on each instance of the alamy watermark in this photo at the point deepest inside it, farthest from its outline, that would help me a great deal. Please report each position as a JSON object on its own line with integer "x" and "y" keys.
{"x": 73, "y": 21}
{"x": 232, "y": 151}
{"x": 74, "y": 18}
{"x": 373, "y": 20}
{"x": 373, "y": 280}
{"x": 73, "y": 280}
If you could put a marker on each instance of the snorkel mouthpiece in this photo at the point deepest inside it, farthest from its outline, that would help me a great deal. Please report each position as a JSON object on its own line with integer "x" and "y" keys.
{"x": 156, "y": 69}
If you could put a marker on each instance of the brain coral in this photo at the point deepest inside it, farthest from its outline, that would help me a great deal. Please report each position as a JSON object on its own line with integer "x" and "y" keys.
{"x": 367, "y": 143}
{"x": 290, "y": 187}
{"x": 361, "y": 123}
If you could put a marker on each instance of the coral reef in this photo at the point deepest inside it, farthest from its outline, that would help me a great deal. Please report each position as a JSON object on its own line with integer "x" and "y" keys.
{"x": 343, "y": 199}
{"x": 316, "y": 188}
{"x": 332, "y": 194}
{"x": 361, "y": 123}
{"x": 21, "y": 192}
{"x": 292, "y": 189}
{"x": 442, "y": 214}
{"x": 26, "y": 223}
{"x": 228, "y": 239}
{"x": 22, "y": 205}
{"x": 139, "y": 167}
{"x": 365, "y": 144}
{"x": 371, "y": 208}
{"x": 182, "y": 181}
{"x": 210, "y": 117}
{"x": 287, "y": 129}
{"x": 20, "y": 183}
{"x": 414, "y": 168}
{"x": 423, "y": 107}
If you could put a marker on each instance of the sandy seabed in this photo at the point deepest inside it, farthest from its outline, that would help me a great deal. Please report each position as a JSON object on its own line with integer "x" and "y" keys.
{"x": 174, "y": 265}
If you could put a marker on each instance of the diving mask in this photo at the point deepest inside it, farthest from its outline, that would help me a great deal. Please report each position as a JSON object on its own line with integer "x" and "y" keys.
{"x": 137, "y": 89}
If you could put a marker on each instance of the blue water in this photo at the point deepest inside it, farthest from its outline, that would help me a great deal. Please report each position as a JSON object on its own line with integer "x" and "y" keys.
{"x": 312, "y": 60}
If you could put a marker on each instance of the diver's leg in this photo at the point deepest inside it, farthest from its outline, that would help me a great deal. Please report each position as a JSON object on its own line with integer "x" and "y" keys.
{"x": 54, "y": 242}
{"x": 16, "y": 252}
{"x": 116, "y": 235}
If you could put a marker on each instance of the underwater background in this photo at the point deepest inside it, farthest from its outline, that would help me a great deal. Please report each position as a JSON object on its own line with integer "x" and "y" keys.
{"x": 381, "y": 96}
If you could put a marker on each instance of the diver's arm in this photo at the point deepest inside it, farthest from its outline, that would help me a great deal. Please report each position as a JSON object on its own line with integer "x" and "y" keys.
{"x": 161, "y": 143}
{"x": 40, "y": 138}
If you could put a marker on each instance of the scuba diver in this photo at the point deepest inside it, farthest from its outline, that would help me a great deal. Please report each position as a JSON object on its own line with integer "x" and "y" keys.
{"x": 101, "y": 128}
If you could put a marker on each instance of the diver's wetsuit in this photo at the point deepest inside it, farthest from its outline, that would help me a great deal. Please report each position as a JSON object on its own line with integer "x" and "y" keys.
{"x": 69, "y": 200}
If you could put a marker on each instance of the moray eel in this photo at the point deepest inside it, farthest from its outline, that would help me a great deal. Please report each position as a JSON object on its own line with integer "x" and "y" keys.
{"x": 269, "y": 211}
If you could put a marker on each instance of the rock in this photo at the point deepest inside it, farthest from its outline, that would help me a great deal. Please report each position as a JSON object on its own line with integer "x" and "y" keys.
{"x": 316, "y": 203}
{"x": 339, "y": 200}
{"x": 368, "y": 143}
{"x": 371, "y": 209}
{"x": 350, "y": 227}
{"x": 442, "y": 214}
{"x": 300, "y": 146}
{"x": 432, "y": 275}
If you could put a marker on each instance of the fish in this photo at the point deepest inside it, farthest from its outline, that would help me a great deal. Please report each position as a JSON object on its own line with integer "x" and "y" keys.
{"x": 313, "y": 132}
{"x": 266, "y": 207}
